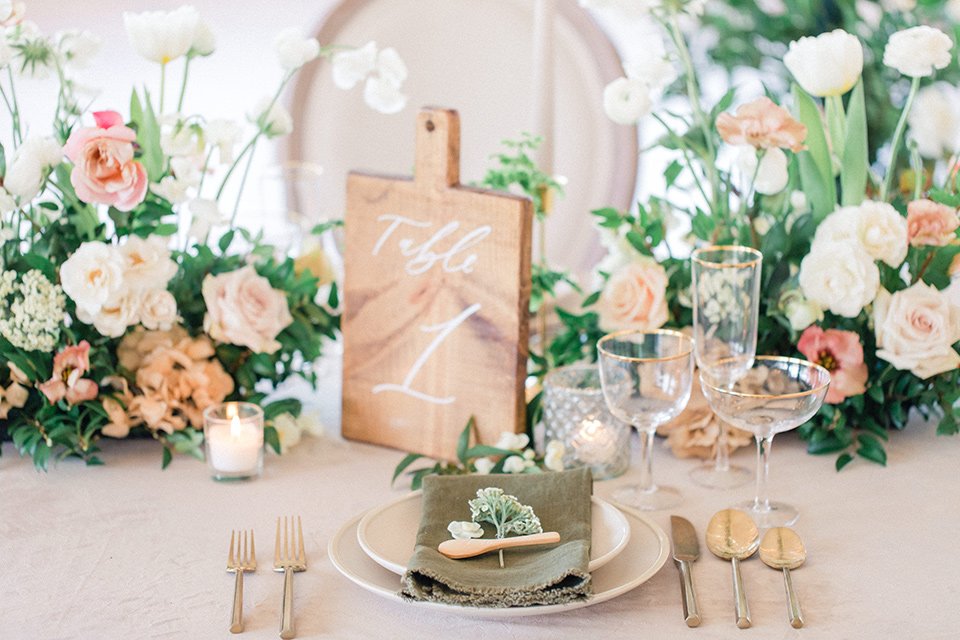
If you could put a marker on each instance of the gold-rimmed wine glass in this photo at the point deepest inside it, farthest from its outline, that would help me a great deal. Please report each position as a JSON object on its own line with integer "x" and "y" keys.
{"x": 726, "y": 303}
{"x": 773, "y": 395}
{"x": 646, "y": 378}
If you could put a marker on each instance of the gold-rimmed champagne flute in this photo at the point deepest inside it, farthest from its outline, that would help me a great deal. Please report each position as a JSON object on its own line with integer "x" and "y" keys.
{"x": 772, "y": 395}
{"x": 646, "y": 378}
{"x": 726, "y": 303}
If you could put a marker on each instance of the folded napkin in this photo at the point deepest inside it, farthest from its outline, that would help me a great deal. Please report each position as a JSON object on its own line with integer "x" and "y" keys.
{"x": 551, "y": 574}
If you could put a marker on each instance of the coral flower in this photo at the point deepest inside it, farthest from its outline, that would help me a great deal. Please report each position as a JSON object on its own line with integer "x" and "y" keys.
{"x": 762, "y": 124}
{"x": 67, "y": 382}
{"x": 840, "y": 353}
{"x": 931, "y": 223}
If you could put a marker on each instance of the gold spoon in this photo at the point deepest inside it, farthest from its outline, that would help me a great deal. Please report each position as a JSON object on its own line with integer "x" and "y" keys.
{"x": 733, "y": 535}
{"x": 467, "y": 547}
{"x": 781, "y": 549}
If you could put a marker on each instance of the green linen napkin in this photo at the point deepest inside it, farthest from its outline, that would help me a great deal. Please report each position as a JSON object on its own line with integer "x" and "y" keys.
{"x": 550, "y": 574}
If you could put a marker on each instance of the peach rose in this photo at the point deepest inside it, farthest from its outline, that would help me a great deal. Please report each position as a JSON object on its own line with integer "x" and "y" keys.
{"x": 634, "y": 298}
{"x": 916, "y": 329}
{"x": 840, "y": 353}
{"x": 929, "y": 223}
{"x": 762, "y": 125}
{"x": 67, "y": 382}
{"x": 105, "y": 171}
{"x": 244, "y": 309}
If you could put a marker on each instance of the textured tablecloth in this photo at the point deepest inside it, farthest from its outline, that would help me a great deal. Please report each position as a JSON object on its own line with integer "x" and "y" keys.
{"x": 130, "y": 551}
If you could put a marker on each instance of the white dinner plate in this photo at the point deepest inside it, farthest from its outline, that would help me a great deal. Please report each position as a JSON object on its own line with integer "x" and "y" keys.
{"x": 642, "y": 557}
{"x": 388, "y": 533}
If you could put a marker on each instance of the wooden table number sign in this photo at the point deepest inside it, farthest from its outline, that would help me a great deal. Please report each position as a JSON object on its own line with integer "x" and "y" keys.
{"x": 436, "y": 294}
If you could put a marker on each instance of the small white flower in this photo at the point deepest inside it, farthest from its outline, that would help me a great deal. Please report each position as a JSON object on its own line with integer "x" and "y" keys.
{"x": 771, "y": 177}
{"x": 162, "y": 36}
{"x": 516, "y": 464}
{"x": 654, "y": 68}
{"x": 180, "y": 140}
{"x": 186, "y": 175}
{"x": 351, "y": 67}
{"x": 383, "y": 96}
{"x": 78, "y": 48}
{"x": 461, "y": 530}
{"x": 877, "y": 227}
{"x": 917, "y": 51}
{"x": 31, "y": 163}
{"x": 512, "y": 441}
{"x": 224, "y": 135}
{"x": 826, "y": 65}
{"x": 799, "y": 311}
{"x": 553, "y": 459}
{"x": 206, "y": 213}
{"x": 204, "y": 41}
{"x": 288, "y": 431}
{"x": 626, "y": 101}
{"x": 391, "y": 67}
{"x": 484, "y": 465}
{"x": 294, "y": 51}
{"x": 275, "y": 122}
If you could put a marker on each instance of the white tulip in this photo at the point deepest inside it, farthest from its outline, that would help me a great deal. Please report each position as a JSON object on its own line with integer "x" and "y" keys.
{"x": 277, "y": 122}
{"x": 917, "y": 51}
{"x": 383, "y": 96}
{"x": 826, "y": 65}
{"x": 840, "y": 277}
{"x": 771, "y": 177}
{"x": 204, "y": 40}
{"x": 294, "y": 51}
{"x": 351, "y": 67}
{"x": 626, "y": 101}
{"x": 162, "y": 36}
{"x": 935, "y": 121}
{"x": 31, "y": 163}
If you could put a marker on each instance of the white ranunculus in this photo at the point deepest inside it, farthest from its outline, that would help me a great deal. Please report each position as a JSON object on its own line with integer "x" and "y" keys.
{"x": 92, "y": 276}
{"x": 461, "y": 530}
{"x": 383, "y": 96}
{"x": 277, "y": 122}
{"x": 147, "y": 263}
{"x": 352, "y": 66}
{"x": 158, "y": 310}
{"x": 883, "y": 232}
{"x": 512, "y": 441}
{"x": 206, "y": 214}
{"x": 626, "y": 101}
{"x": 771, "y": 177}
{"x": 390, "y": 67}
{"x": 30, "y": 166}
{"x": 916, "y": 329}
{"x": 840, "y": 277}
{"x": 224, "y": 135}
{"x": 917, "y": 51}
{"x": 935, "y": 121}
{"x": 204, "y": 40}
{"x": 826, "y": 65}
{"x": 78, "y": 48}
{"x": 293, "y": 51}
{"x": 162, "y": 36}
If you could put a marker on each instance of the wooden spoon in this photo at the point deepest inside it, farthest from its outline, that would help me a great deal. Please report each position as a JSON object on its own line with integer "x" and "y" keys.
{"x": 781, "y": 549}
{"x": 733, "y": 535}
{"x": 469, "y": 547}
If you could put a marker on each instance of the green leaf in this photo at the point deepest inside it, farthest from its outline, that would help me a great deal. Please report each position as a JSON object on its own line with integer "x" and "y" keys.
{"x": 272, "y": 438}
{"x": 871, "y": 449}
{"x": 876, "y": 393}
{"x": 225, "y": 241}
{"x": 167, "y": 458}
{"x": 818, "y": 152}
{"x": 638, "y": 242}
{"x": 406, "y": 462}
{"x": 136, "y": 109}
{"x": 591, "y": 299}
{"x": 463, "y": 443}
{"x": 41, "y": 455}
{"x": 334, "y": 298}
{"x": 284, "y": 405}
{"x": 148, "y": 137}
{"x": 836, "y": 123}
{"x": 164, "y": 230}
{"x": 480, "y": 450}
{"x": 671, "y": 172}
{"x": 843, "y": 460}
{"x": 948, "y": 426}
{"x": 853, "y": 174}
{"x": 3, "y": 161}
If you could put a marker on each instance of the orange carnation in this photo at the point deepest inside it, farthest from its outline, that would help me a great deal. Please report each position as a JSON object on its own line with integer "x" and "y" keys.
{"x": 762, "y": 125}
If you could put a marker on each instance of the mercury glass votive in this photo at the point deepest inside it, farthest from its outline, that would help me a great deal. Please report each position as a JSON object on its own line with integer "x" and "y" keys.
{"x": 575, "y": 413}
{"x": 233, "y": 437}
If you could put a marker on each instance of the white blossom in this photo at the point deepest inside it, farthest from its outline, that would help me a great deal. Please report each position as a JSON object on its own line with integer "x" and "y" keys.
{"x": 352, "y": 66}
{"x": 31, "y": 163}
{"x": 934, "y": 120}
{"x": 204, "y": 40}
{"x": 92, "y": 275}
{"x": 553, "y": 459}
{"x": 206, "y": 214}
{"x": 917, "y": 51}
{"x": 162, "y": 36}
{"x": 32, "y": 310}
{"x": 840, "y": 276}
{"x": 771, "y": 176}
{"x": 272, "y": 118}
{"x": 626, "y": 101}
{"x": 484, "y": 465}
{"x": 383, "y": 96}
{"x": 826, "y": 65}
{"x": 462, "y": 530}
{"x": 512, "y": 441}
{"x": 78, "y": 48}
{"x": 294, "y": 51}
{"x": 224, "y": 135}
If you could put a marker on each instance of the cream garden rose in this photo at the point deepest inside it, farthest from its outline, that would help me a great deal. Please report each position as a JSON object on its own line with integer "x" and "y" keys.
{"x": 92, "y": 275}
{"x": 879, "y": 229}
{"x": 916, "y": 329}
{"x": 839, "y": 276}
{"x": 634, "y": 298}
{"x": 243, "y": 309}
{"x": 826, "y": 65}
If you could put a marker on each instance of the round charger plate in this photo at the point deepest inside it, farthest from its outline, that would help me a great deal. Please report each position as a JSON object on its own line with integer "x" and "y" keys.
{"x": 388, "y": 533}
{"x": 643, "y": 556}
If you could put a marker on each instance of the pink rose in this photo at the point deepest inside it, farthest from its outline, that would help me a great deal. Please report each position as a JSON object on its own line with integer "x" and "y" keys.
{"x": 634, "y": 298}
{"x": 67, "y": 382}
{"x": 840, "y": 353}
{"x": 929, "y": 223}
{"x": 916, "y": 329}
{"x": 242, "y": 308}
{"x": 105, "y": 171}
{"x": 762, "y": 125}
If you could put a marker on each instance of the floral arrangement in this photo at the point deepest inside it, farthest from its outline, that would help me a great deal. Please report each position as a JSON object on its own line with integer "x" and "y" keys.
{"x": 131, "y": 300}
{"x": 859, "y": 242}
{"x": 503, "y": 511}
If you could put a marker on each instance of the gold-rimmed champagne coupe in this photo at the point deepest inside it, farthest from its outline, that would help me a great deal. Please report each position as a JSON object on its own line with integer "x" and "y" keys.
{"x": 646, "y": 378}
{"x": 772, "y": 395}
{"x": 726, "y": 303}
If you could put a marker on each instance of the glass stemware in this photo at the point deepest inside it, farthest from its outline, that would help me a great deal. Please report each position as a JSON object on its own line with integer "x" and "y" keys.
{"x": 726, "y": 303}
{"x": 772, "y": 395}
{"x": 646, "y": 379}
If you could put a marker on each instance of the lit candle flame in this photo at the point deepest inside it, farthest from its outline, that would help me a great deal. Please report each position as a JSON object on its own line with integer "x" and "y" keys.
{"x": 232, "y": 411}
{"x": 235, "y": 426}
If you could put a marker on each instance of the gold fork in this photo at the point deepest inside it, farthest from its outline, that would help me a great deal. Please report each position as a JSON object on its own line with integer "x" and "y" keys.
{"x": 243, "y": 563}
{"x": 291, "y": 559}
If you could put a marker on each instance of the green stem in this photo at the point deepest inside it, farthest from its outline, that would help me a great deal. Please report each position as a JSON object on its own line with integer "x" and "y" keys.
{"x": 183, "y": 86}
{"x": 163, "y": 83}
{"x": 898, "y": 134}
{"x": 15, "y": 112}
{"x": 236, "y": 161}
{"x": 919, "y": 177}
{"x": 243, "y": 181}
{"x": 686, "y": 157}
